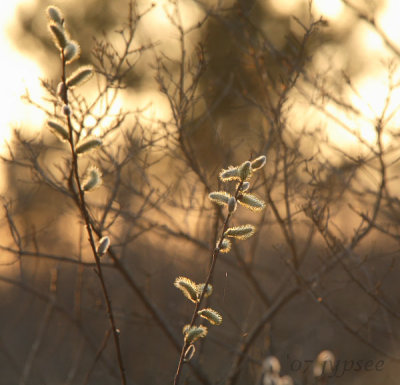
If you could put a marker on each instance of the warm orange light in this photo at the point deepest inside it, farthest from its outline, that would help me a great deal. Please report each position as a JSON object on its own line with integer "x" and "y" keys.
{"x": 17, "y": 73}
{"x": 330, "y": 9}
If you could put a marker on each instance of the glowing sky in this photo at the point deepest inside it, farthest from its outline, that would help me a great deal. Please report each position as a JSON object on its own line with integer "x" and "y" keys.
{"x": 19, "y": 72}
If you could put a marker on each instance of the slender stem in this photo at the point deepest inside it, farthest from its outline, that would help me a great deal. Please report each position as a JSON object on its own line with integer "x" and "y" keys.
{"x": 214, "y": 258}
{"x": 81, "y": 202}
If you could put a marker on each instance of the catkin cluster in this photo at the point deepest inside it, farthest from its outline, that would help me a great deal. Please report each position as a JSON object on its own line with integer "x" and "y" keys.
{"x": 242, "y": 175}
{"x": 195, "y": 292}
{"x": 63, "y": 127}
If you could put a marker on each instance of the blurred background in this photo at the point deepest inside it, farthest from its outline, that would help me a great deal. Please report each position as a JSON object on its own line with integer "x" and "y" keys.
{"x": 182, "y": 90}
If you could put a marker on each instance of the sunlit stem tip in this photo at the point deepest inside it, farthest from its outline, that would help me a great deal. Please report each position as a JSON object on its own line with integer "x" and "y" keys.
{"x": 189, "y": 353}
{"x": 245, "y": 170}
{"x": 258, "y": 162}
{"x": 187, "y": 287}
{"x": 103, "y": 246}
{"x": 71, "y": 51}
{"x": 251, "y": 202}
{"x": 240, "y": 232}
{"x": 211, "y": 316}
{"x": 59, "y": 35}
{"x": 193, "y": 333}
{"x": 93, "y": 181}
{"x": 80, "y": 76}
{"x": 207, "y": 292}
{"x": 225, "y": 246}
{"x": 55, "y": 14}
{"x": 58, "y": 129}
{"x": 219, "y": 197}
{"x": 87, "y": 145}
{"x": 230, "y": 173}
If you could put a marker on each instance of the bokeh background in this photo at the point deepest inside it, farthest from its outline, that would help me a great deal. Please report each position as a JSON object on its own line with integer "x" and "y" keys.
{"x": 321, "y": 103}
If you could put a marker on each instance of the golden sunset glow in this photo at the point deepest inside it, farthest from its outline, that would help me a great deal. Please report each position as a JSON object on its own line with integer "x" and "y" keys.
{"x": 330, "y": 9}
{"x": 156, "y": 152}
{"x": 19, "y": 73}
